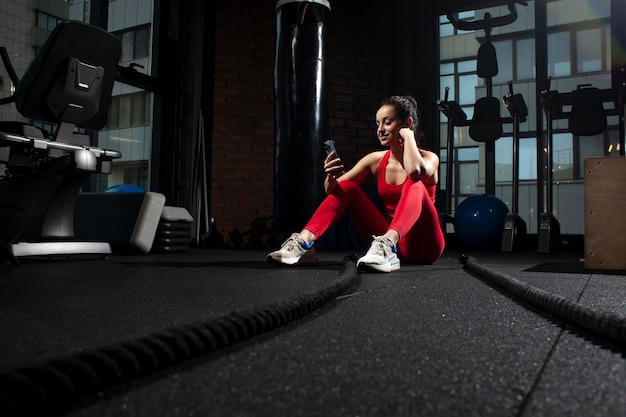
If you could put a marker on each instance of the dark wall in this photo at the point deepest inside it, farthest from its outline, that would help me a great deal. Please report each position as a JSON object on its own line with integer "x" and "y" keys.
{"x": 415, "y": 69}
{"x": 370, "y": 60}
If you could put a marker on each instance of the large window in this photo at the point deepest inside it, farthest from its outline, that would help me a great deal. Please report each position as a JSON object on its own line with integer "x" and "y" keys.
{"x": 577, "y": 52}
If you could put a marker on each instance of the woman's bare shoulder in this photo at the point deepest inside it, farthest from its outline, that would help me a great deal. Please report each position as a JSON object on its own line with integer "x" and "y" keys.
{"x": 368, "y": 164}
{"x": 373, "y": 157}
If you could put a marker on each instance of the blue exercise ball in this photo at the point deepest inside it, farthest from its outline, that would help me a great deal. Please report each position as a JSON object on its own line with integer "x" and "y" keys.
{"x": 125, "y": 188}
{"x": 479, "y": 221}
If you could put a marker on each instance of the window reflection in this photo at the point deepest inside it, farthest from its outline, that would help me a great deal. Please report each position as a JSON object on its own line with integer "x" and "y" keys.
{"x": 525, "y": 54}
{"x": 588, "y": 52}
{"x": 562, "y": 156}
{"x": 559, "y": 64}
{"x": 504, "y": 52}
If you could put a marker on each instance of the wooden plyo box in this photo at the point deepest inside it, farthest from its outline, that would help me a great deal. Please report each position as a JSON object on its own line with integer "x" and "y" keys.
{"x": 605, "y": 213}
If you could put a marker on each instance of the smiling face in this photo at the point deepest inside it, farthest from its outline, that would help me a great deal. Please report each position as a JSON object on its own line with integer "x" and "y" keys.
{"x": 387, "y": 125}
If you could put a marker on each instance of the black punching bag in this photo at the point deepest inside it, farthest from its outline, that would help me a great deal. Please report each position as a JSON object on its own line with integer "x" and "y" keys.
{"x": 302, "y": 110}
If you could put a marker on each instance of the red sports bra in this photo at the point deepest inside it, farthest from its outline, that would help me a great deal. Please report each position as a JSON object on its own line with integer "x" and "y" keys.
{"x": 390, "y": 194}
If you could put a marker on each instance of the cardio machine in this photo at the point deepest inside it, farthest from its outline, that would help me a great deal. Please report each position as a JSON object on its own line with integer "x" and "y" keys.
{"x": 69, "y": 84}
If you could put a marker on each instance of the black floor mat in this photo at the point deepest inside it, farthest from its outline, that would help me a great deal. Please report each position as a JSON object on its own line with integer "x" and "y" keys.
{"x": 571, "y": 268}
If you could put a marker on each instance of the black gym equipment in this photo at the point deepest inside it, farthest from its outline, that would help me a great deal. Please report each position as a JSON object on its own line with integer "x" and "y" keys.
{"x": 213, "y": 238}
{"x": 514, "y": 235}
{"x": 302, "y": 109}
{"x": 587, "y": 116}
{"x": 486, "y": 125}
{"x": 69, "y": 84}
{"x": 456, "y": 117}
{"x": 260, "y": 227}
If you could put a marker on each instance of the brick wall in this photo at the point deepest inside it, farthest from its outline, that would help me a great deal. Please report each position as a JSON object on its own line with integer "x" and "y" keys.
{"x": 243, "y": 117}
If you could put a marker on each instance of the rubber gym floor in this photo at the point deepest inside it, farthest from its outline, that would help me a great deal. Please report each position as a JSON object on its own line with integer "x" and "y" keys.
{"x": 219, "y": 332}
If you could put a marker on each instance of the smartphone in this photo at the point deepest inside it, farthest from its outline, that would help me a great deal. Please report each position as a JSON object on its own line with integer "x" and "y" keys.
{"x": 329, "y": 146}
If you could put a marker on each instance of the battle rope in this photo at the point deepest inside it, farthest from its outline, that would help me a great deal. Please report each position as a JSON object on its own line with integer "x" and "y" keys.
{"x": 61, "y": 382}
{"x": 603, "y": 323}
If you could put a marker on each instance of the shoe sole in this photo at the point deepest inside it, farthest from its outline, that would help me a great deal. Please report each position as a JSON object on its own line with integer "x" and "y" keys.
{"x": 306, "y": 259}
{"x": 388, "y": 267}
{"x": 287, "y": 262}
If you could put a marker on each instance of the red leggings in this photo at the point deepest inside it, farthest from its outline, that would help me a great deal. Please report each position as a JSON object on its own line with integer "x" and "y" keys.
{"x": 416, "y": 219}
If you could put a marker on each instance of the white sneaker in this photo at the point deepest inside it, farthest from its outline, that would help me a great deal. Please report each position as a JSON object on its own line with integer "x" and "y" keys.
{"x": 293, "y": 251}
{"x": 381, "y": 256}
